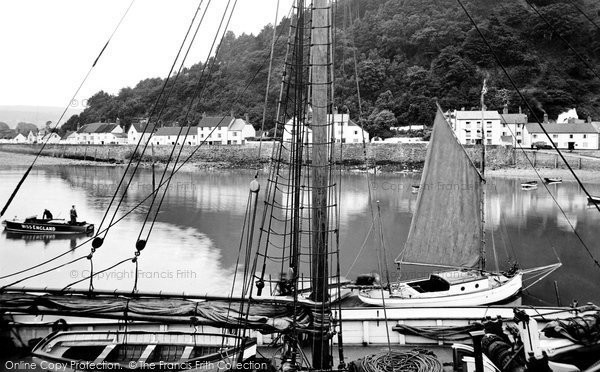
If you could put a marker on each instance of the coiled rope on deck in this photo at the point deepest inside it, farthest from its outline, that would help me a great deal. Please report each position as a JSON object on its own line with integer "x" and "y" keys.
{"x": 416, "y": 360}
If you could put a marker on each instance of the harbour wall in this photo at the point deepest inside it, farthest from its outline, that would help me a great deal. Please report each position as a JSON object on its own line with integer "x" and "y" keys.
{"x": 389, "y": 156}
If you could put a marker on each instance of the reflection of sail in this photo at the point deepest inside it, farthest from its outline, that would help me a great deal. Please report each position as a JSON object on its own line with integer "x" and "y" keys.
{"x": 446, "y": 226}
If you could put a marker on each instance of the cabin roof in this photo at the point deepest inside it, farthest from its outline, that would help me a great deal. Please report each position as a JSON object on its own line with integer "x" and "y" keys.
{"x": 562, "y": 128}
{"x": 457, "y": 276}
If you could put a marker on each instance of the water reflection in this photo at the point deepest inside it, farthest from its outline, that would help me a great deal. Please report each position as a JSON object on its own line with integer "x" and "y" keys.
{"x": 194, "y": 244}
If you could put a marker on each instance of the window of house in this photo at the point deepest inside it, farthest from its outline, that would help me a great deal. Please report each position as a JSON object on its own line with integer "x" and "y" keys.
{"x": 235, "y": 134}
{"x": 355, "y": 132}
{"x": 555, "y": 136}
{"x": 518, "y": 141}
{"x": 535, "y": 136}
{"x": 219, "y": 135}
{"x": 570, "y": 136}
{"x": 489, "y": 141}
{"x": 518, "y": 133}
{"x": 585, "y": 136}
{"x": 468, "y": 122}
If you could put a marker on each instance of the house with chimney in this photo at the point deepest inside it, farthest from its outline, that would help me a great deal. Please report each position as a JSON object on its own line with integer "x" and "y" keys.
{"x": 12, "y": 136}
{"x": 574, "y": 134}
{"x": 512, "y": 131}
{"x": 180, "y": 135}
{"x": 469, "y": 126}
{"x": 101, "y": 134}
{"x": 69, "y": 138}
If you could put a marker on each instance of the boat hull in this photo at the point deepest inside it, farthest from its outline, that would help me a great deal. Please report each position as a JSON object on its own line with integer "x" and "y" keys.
{"x": 497, "y": 294}
{"x": 41, "y": 227}
{"x": 139, "y": 350}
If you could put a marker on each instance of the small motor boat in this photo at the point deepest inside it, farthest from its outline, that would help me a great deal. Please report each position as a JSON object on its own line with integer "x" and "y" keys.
{"x": 552, "y": 180}
{"x": 34, "y": 225}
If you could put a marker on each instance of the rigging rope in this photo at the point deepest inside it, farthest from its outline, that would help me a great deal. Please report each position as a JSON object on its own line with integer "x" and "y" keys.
{"x": 186, "y": 160}
{"x": 38, "y": 154}
{"x": 416, "y": 360}
{"x": 514, "y": 85}
{"x": 99, "y": 240}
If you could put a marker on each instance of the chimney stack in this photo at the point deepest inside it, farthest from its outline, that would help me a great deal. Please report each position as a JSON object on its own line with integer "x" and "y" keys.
{"x": 520, "y": 112}
{"x": 589, "y": 118}
{"x": 545, "y": 118}
{"x": 505, "y": 110}
{"x": 232, "y": 113}
{"x": 247, "y": 118}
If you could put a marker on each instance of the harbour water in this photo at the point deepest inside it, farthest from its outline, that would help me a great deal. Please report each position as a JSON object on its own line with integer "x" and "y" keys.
{"x": 194, "y": 244}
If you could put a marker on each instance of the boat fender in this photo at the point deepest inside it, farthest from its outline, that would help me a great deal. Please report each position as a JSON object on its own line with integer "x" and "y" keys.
{"x": 97, "y": 242}
{"x": 60, "y": 325}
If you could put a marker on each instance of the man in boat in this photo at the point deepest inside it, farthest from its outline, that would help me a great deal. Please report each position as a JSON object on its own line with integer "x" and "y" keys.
{"x": 47, "y": 215}
{"x": 73, "y": 215}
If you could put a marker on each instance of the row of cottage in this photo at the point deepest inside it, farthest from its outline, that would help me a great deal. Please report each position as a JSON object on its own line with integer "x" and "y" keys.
{"x": 514, "y": 130}
{"x": 213, "y": 130}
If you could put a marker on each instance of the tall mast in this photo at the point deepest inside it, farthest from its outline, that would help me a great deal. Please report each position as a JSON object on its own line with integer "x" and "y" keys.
{"x": 483, "y": 139}
{"x": 320, "y": 177}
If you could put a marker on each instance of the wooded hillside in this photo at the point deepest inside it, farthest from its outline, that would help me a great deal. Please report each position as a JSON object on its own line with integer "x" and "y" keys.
{"x": 409, "y": 53}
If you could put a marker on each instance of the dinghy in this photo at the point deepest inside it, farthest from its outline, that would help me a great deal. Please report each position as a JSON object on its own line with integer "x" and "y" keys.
{"x": 553, "y": 180}
{"x": 142, "y": 351}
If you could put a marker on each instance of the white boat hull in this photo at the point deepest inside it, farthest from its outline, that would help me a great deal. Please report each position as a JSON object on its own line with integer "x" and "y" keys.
{"x": 488, "y": 296}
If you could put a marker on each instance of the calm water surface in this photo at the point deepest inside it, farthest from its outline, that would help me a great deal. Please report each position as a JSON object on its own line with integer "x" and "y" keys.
{"x": 194, "y": 244}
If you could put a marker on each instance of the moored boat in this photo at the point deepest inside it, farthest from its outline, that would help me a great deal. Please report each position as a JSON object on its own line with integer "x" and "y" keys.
{"x": 552, "y": 180}
{"x": 456, "y": 250}
{"x": 594, "y": 199}
{"x": 34, "y": 225}
{"x": 140, "y": 350}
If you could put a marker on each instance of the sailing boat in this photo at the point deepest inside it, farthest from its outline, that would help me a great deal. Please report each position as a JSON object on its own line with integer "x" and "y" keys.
{"x": 447, "y": 232}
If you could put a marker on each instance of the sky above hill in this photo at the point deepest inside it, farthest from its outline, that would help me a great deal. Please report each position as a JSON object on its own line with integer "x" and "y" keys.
{"x": 47, "y": 47}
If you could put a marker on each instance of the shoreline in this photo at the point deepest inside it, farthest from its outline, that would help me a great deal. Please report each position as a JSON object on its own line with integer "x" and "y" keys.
{"x": 20, "y": 160}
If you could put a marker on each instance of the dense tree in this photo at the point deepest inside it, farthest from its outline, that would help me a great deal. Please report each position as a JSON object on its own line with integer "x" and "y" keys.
{"x": 409, "y": 54}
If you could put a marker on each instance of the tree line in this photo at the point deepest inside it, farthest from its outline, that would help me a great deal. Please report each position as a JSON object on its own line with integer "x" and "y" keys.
{"x": 408, "y": 55}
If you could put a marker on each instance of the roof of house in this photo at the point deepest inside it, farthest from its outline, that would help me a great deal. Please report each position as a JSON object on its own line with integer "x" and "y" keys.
{"x": 67, "y": 134}
{"x": 562, "y": 128}
{"x": 513, "y": 118}
{"x": 120, "y": 135}
{"x": 214, "y": 121}
{"x": 98, "y": 128}
{"x": 476, "y": 115}
{"x": 173, "y": 131}
{"x": 238, "y": 124}
{"x": 139, "y": 127}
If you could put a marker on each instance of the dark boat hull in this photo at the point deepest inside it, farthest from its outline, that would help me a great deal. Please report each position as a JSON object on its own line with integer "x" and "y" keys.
{"x": 43, "y": 227}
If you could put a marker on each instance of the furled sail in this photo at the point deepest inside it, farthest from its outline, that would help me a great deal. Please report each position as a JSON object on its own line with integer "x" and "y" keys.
{"x": 446, "y": 225}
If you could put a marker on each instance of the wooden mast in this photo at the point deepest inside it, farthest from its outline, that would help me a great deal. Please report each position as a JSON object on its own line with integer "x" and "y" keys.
{"x": 483, "y": 139}
{"x": 320, "y": 179}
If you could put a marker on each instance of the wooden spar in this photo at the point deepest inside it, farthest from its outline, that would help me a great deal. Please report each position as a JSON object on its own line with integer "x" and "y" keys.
{"x": 320, "y": 180}
{"x": 483, "y": 139}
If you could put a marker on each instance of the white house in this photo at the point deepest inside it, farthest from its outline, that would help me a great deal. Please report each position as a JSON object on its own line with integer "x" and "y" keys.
{"x": 13, "y": 137}
{"x": 49, "y": 138}
{"x": 512, "y": 131}
{"x": 69, "y": 138}
{"x": 467, "y": 126}
{"x": 168, "y": 136}
{"x": 238, "y": 131}
{"x": 215, "y": 129}
{"x": 344, "y": 130}
{"x": 573, "y": 136}
{"x": 136, "y": 131}
{"x": 101, "y": 134}
{"x": 31, "y": 137}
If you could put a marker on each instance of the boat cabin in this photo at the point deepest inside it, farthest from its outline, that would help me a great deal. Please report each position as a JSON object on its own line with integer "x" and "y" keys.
{"x": 455, "y": 281}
